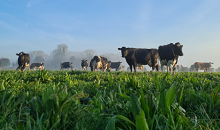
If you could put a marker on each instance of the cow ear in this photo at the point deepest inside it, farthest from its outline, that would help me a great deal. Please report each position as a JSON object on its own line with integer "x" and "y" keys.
{"x": 119, "y": 48}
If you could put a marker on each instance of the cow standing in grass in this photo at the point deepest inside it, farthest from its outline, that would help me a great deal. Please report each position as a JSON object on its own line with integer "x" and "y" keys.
{"x": 84, "y": 64}
{"x": 66, "y": 65}
{"x": 98, "y": 62}
{"x": 37, "y": 66}
{"x": 23, "y": 61}
{"x": 141, "y": 56}
{"x": 202, "y": 66}
{"x": 169, "y": 55}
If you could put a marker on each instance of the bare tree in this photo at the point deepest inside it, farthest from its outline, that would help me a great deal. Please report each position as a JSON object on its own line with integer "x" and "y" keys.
{"x": 89, "y": 54}
{"x": 34, "y": 54}
{"x": 39, "y": 59}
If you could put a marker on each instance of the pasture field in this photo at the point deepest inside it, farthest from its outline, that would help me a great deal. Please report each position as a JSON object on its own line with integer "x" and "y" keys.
{"x": 84, "y": 100}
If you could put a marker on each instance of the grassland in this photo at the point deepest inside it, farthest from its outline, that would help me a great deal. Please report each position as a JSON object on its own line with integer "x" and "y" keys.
{"x": 80, "y": 100}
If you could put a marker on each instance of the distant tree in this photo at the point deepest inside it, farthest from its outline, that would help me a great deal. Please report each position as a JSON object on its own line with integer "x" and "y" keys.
{"x": 34, "y": 54}
{"x": 59, "y": 54}
{"x": 39, "y": 59}
{"x": 89, "y": 54}
{"x": 4, "y": 62}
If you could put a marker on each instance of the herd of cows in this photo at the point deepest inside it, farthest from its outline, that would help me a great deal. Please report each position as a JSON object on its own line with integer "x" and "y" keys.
{"x": 135, "y": 57}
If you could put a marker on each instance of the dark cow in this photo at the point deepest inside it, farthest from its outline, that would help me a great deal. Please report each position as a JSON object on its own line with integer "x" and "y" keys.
{"x": 202, "y": 66}
{"x": 169, "y": 54}
{"x": 115, "y": 65}
{"x": 98, "y": 62}
{"x": 66, "y": 65}
{"x": 23, "y": 61}
{"x": 84, "y": 64}
{"x": 37, "y": 66}
{"x": 141, "y": 56}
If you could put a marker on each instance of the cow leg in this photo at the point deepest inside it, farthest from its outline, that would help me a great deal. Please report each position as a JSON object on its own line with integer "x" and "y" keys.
{"x": 135, "y": 67}
{"x": 130, "y": 68}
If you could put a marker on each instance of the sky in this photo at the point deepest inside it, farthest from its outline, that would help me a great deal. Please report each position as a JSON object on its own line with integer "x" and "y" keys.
{"x": 106, "y": 25}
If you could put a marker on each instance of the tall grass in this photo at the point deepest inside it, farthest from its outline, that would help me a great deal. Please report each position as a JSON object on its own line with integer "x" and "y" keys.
{"x": 101, "y": 100}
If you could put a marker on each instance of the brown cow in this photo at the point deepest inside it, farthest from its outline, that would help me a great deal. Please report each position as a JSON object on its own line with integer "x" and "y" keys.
{"x": 202, "y": 66}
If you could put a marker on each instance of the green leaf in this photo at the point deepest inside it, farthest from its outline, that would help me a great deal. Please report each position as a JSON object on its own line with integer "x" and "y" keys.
{"x": 140, "y": 121}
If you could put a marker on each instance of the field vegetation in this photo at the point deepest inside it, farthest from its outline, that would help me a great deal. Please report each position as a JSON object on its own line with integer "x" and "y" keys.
{"x": 84, "y": 100}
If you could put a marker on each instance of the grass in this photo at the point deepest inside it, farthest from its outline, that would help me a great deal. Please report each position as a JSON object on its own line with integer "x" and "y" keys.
{"x": 117, "y": 100}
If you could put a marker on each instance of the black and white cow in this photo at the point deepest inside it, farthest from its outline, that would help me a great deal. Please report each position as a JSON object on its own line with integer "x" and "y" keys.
{"x": 141, "y": 56}
{"x": 169, "y": 54}
{"x": 115, "y": 65}
{"x": 84, "y": 64}
{"x": 98, "y": 62}
{"x": 66, "y": 65}
{"x": 37, "y": 66}
{"x": 23, "y": 61}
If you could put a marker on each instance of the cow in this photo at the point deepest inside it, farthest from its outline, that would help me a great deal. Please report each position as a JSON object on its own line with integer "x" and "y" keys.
{"x": 202, "y": 66}
{"x": 115, "y": 65}
{"x": 66, "y": 65}
{"x": 140, "y": 67}
{"x": 23, "y": 61}
{"x": 98, "y": 62}
{"x": 179, "y": 68}
{"x": 141, "y": 56}
{"x": 84, "y": 64}
{"x": 37, "y": 65}
{"x": 169, "y": 54}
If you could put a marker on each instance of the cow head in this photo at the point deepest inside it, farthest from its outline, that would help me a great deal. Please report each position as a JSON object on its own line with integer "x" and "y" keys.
{"x": 42, "y": 63}
{"x": 20, "y": 54}
{"x": 211, "y": 64}
{"x": 124, "y": 51}
{"x": 178, "y": 49}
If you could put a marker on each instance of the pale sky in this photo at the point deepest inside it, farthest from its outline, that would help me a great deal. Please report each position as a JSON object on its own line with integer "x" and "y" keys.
{"x": 105, "y": 25}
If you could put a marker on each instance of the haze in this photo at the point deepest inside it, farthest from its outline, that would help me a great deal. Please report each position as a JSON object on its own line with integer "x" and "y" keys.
{"x": 103, "y": 26}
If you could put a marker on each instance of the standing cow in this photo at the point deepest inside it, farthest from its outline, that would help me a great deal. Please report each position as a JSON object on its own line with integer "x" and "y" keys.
{"x": 141, "y": 56}
{"x": 169, "y": 54}
{"x": 37, "y": 66}
{"x": 84, "y": 64}
{"x": 115, "y": 65}
{"x": 23, "y": 61}
{"x": 98, "y": 62}
{"x": 202, "y": 66}
{"x": 66, "y": 65}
